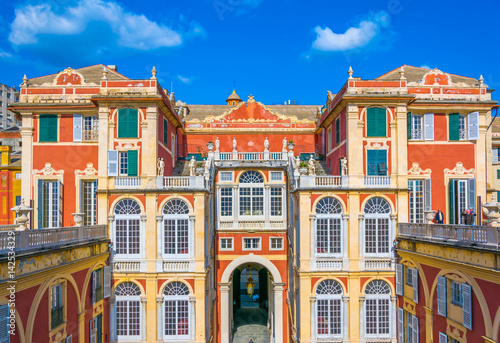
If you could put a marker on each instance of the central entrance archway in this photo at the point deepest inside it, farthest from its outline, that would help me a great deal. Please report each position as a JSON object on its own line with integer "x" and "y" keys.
{"x": 275, "y": 295}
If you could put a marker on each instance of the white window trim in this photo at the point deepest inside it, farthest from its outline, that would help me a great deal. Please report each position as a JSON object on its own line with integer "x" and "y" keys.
{"x": 283, "y": 201}
{"x": 233, "y": 199}
{"x": 412, "y": 127}
{"x": 264, "y": 196}
{"x": 232, "y": 176}
{"x": 275, "y": 173}
{"x": 254, "y": 249}
{"x": 391, "y": 310}
{"x": 282, "y": 243}
{"x": 342, "y": 319}
{"x": 226, "y": 249}
{"x": 190, "y": 313}
{"x": 341, "y": 243}
{"x": 390, "y": 238}
{"x": 129, "y": 298}
{"x": 190, "y": 253}
{"x": 141, "y": 237}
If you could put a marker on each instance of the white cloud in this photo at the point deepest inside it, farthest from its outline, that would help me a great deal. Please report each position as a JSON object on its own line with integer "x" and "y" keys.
{"x": 4, "y": 54}
{"x": 186, "y": 80}
{"x": 133, "y": 30}
{"x": 425, "y": 67}
{"x": 353, "y": 37}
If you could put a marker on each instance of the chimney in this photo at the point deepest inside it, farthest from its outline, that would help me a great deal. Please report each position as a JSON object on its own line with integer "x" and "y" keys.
{"x": 6, "y": 150}
{"x": 112, "y": 67}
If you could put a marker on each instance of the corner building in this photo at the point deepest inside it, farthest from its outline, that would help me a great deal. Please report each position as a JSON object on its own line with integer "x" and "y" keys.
{"x": 246, "y": 220}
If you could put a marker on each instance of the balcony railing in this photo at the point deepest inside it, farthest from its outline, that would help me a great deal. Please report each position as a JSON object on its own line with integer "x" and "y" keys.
{"x": 378, "y": 264}
{"x": 127, "y": 266}
{"x": 444, "y": 233}
{"x": 176, "y": 266}
{"x": 176, "y": 182}
{"x": 251, "y": 156}
{"x": 316, "y": 181}
{"x": 127, "y": 182}
{"x": 375, "y": 181}
{"x": 252, "y": 225}
{"x": 329, "y": 264}
{"x": 50, "y": 238}
{"x": 56, "y": 317}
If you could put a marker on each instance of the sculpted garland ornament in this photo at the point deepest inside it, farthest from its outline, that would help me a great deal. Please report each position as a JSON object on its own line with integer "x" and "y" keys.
{"x": 48, "y": 170}
{"x": 90, "y": 170}
{"x": 459, "y": 170}
{"x": 417, "y": 170}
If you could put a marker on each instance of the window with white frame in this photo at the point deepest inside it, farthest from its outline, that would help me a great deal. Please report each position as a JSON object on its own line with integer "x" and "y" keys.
{"x": 226, "y": 243}
{"x": 251, "y": 243}
{"x": 90, "y": 128}
{"x": 276, "y": 243}
{"x": 276, "y": 176}
{"x": 462, "y": 127}
{"x": 176, "y": 311}
{"x": 456, "y": 293}
{"x": 416, "y": 198}
{"x": 378, "y": 309}
{"x": 127, "y": 228}
{"x": 417, "y": 132}
{"x": 49, "y": 203}
{"x": 377, "y": 226}
{"x": 176, "y": 231}
{"x": 251, "y": 194}
{"x": 409, "y": 276}
{"x": 226, "y": 201}
{"x": 226, "y": 176}
{"x": 329, "y": 227}
{"x": 89, "y": 202}
{"x": 128, "y": 311}
{"x": 276, "y": 201}
{"x": 123, "y": 156}
{"x": 329, "y": 311}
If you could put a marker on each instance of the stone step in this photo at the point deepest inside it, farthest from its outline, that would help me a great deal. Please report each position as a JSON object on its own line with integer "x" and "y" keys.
{"x": 259, "y": 334}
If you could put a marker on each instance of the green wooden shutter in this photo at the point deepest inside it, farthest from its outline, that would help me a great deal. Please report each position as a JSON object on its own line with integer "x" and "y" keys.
{"x": 337, "y": 131}
{"x": 99, "y": 328}
{"x": 408, "y": 125}
{"x": 382, "y": 162}
{"x": 123, "y": 123}
{"x": 48, "y": 128}
{"x": 372, "y": 162}
{"x": 371, "y": 122}
{"x": 165, "y": 132}
{"x": 453, "y": 127}
{"x": 132, "y": 162}
{"x": 381, "y": 122}
{"x": 498, "y": 173}
{"x": 40, "y": 204}
{"x": 133, "y": 123}
{"x": 451, "y": 201}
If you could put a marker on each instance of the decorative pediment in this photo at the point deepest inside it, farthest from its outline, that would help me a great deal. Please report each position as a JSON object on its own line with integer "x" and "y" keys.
{"x": 90, "y": 170}
{"x": 459, "y": 170}
{"x": 438, "y": 78}
{"x": 48, "y": 170}
{"x": 417, "y": 170}
{"x": 69, "y": 77}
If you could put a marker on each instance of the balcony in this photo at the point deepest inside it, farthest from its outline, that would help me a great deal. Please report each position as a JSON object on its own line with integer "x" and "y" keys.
{"x": 377, "y": 181}
{"x": 127, "y": 182}
{"x": 253, "y": 225}
{"x": 316, "y": 181}
{"x": 485, "y": 237}
{"x": 126, "y": 266}
{"x": 29, "y": 240}
{"x": 160, "y": 182}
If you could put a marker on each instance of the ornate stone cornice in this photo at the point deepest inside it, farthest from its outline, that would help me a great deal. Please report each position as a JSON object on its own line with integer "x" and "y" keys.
{"x": 90, "y": 170}
{"x": 48, "y": 170}
{"x": 417, "y": 170}
{"x": 458, "y": 170}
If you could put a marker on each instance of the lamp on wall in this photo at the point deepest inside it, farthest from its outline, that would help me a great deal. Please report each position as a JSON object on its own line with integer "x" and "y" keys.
{"x": 250, "y": 284}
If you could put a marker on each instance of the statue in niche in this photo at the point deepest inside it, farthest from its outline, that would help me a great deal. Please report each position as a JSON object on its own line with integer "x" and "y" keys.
{"x": 234, "y": 143}
{"x": 284, "y": 144}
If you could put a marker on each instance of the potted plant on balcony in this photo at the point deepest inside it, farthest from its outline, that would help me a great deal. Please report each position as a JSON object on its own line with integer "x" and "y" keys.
{"x": 303, "y": 168}
{"x": 291, "y": 144}
{"x": 210, "y": 145}
{"x": 200, "y": 168}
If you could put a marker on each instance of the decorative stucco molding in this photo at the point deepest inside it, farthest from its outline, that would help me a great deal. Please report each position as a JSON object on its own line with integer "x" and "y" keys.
{"x": 90, "y": 170}
{"x": 459, "y": 170}
{"x": 417, "y": 170}
{"x": 48, "y": 170}
{"x": 127, "y": 146}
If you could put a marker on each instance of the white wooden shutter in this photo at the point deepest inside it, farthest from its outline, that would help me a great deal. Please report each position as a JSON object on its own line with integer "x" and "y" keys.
{"x": 77, "y": 127}
{"x": 414, "y": 282}
{"x": 473, "y": 123}
{"x": 69, "y": 339}
{"x": 93, "y": 330}
{"x": 429, "y": 126}
{"x": 399, "y": 279}
{"x": 494, "y": 156}
{"x": 443, "y": 338}
{"x": 467, "y": 305}
{"x": 427, "y": 195}
{"x": 415, "y": 329}
{"x": 112, "y": 163}
{"x": 401, "y": 325}
{"x": 107, "y": 282}
{"x": 441, "y": 295}
{"x": 59, "y": 204}
{"x": 4, "y": 321}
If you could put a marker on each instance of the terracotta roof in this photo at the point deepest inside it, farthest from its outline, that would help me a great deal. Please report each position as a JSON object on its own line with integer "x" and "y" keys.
{"x": 415, "y": 74}
{"x": 91, "y": 74}
{"x": 200, "y": 112}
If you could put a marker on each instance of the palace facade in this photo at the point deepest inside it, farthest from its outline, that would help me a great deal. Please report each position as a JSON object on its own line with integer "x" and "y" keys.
{"x": 245, "y": 220}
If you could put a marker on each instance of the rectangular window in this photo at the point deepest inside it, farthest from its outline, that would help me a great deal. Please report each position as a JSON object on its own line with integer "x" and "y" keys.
{"x": 276, "y": 243}
{"x": 49, "y": 201}
{"x": 128, "y": 163}
{"x": 127, "y": 235}
{"x": 123, "y": 163}
{"x": 97, "y": 291}
{"x": 329, "y": 317}
{"x": 251, "y": 243}
{"x": 89, "y": 202}
{"x": 417, "y": 132}
{"x": 276, "y": 201}
{"x": 226, "y": 201}
{"x": 276, "y": 176}
{"x": 56, "y": 306}
{"x": 90, "y": 128}
{"x": 226, "y": 176}
{"x": 226, "y": 244}
{"x": 376, "y": 119}
{"x": 377, "y": 236}
{"x": 165, "y": 132}
{"x": 328, "y": 236}
{"x": 409, "y": 327}
{"x": 48, "y": 128}
{"x": 177, "y": 318}
{"x": 456, "y": 293}
{"x": 128, "y": 123}
{"x": 416, "y": 198}
{"x": 337, "y": 131}
{"x": 409, "y": 276}
{"x": 462, "y": 127}
{"x": 376, "y": 162}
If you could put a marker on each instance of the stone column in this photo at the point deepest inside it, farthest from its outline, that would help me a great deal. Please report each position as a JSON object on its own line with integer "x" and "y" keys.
{"x": 224, "y": 312}
{"x": 312, "y": 233}
{"x": 345, "y": 242}
{"x": 345, "y": 329}
{"x": 106, "y": 137}
{"x": 361, "y": 230}
{"x": 278, "y": 311}
{"x": 148, "y": 150}
{"x": 112, "y": 319}
{"x": 159, "y": 244}
{"x": 314, "y": 329}
{"x": 394, "y": 321}
{"x": 192, "y": 319}
{"x": 160, "y": 324}
{"x": 144, "y": 319}
{"x": 362, "y": 324}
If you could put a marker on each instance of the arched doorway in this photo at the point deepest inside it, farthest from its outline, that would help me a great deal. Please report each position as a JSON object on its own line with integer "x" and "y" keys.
{"x": 272, "y": 305}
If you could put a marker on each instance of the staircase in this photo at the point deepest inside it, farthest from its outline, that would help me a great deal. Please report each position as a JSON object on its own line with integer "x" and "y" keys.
{"x": 181, "y": 168}
{"x": 259, "y": 334}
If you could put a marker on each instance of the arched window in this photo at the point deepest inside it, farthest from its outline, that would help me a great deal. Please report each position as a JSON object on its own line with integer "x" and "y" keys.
{"x": 329, "y": 309}
{"x": 176, "y": 229}
{"x": 329, "y": 228}
{"x": 127, "y": 228}
{"x": 377, "y": 227}
{"x": 251, "y": 194}
{"x": 128, "y": 311}
{"x": 378, "y": 309}
{"x": 177, "y": 311}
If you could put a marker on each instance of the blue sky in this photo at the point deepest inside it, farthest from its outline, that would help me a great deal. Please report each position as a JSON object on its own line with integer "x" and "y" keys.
{"x": 275, "y": 50}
